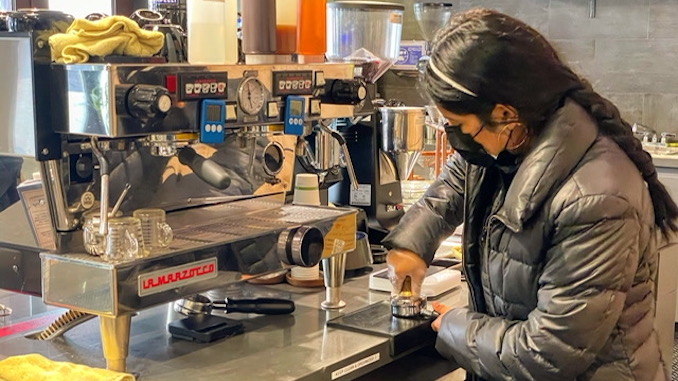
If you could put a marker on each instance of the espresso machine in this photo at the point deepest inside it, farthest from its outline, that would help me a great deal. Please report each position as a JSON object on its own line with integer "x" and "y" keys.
{"x": 212, "y": 145}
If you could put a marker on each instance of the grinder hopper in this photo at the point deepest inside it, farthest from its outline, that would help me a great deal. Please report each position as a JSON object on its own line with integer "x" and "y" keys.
{"x": 403, "y": 135}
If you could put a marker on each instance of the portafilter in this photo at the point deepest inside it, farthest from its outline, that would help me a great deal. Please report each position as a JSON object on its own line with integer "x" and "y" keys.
{"x": 200, "y": 304}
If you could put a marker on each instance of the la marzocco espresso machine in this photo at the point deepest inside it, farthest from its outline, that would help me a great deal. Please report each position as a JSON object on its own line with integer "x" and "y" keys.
{"x": 213, "y": 146}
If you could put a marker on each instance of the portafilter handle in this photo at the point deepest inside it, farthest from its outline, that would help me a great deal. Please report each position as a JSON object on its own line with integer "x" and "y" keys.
{"x": 209, "y": 171}
{"x": 264, "y": 306}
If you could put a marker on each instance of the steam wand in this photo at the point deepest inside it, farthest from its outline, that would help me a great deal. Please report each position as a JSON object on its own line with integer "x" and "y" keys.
{"x": 344, "y": 149}
{"x": 104, "y": 173}
{"x": 120, "y": 199}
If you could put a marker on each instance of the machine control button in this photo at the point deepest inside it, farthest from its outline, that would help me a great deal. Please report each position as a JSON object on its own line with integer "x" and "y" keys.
{"x": 362, "y": 92}
{"x": 231, "y": 112}
{"x": 87, "y": 200}
{"x": 164, "y": 103}
{"x": 273, "y": 110}
{"x": 292, "y": 82}
{"x": 315, "y": 107}
{"x": 319, "y": 78}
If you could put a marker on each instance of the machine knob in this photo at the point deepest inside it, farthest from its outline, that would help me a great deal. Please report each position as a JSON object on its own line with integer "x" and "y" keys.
{"x": 147, "y": 101}
{"x": 301, "y": 246}
{"x": 344, "y": 91}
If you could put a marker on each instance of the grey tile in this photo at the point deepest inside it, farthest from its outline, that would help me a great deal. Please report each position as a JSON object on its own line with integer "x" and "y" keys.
{"x": 637, "y": 56}
{"x": 663, "y": 18}
{"x": 532, "y": 12}
{"x": 575, "y": 50}
{"x": 569, "y": 19}
{"x": 650, "y": 83}
{"x": 630, "y": 105}
{"x": 660, "y": 112}
{"x": 578, "y": 54}
{"x": 409, "y": 95}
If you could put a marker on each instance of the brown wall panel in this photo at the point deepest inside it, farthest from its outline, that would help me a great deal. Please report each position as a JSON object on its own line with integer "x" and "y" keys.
{"x": 126, "y": 7}
{"x": 32, "y": 4}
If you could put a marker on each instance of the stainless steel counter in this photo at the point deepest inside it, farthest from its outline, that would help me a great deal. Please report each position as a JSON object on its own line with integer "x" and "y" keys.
{"x": 667, "y": 161}
{"x": 284, "y": 347}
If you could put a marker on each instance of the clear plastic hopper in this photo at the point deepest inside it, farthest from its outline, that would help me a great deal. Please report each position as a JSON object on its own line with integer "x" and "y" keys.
{"x": 366, "y": 33}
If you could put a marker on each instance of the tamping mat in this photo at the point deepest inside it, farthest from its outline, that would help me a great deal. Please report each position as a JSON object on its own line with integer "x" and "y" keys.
{"x": 376, "y": 319}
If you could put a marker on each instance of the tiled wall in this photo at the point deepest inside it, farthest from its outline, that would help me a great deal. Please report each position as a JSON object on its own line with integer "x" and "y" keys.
{"x": 628, "y": 51}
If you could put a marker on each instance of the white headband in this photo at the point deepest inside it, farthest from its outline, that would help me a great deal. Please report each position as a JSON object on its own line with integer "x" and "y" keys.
{"x": 450, "y": 81}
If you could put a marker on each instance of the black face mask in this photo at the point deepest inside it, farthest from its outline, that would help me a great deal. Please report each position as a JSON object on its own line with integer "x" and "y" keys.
{"x": 472, "y": 151}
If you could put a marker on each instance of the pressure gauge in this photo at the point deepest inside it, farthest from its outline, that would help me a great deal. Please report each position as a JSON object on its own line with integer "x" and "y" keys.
{"x": 251, "y": 94}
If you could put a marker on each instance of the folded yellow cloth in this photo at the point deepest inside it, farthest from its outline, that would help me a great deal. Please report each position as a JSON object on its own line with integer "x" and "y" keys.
{"x": 111, "y": 35}
{"x": 35, "y": 367}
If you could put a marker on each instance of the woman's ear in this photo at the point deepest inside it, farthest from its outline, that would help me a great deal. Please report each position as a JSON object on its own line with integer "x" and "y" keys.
{"x": 505, "y": 113}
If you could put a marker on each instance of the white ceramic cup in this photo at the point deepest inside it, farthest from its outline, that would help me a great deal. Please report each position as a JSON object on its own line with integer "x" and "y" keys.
{"x": 306, "y": 190}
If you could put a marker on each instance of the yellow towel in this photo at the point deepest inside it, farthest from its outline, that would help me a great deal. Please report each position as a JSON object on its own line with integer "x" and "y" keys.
{"x": 35, "y": 367}
{"x": 111, "y": 35}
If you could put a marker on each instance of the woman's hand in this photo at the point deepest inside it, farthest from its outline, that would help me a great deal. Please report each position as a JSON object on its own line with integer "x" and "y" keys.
{"x": 402, "y": 263}
{"x": 441, "y": 309}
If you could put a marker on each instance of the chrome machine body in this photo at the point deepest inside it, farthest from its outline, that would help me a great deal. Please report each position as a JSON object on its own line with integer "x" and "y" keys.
{"x": 207, "y": 144}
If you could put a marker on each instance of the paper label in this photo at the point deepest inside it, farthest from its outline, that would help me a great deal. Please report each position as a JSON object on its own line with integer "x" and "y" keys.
{"x": 361, "y": 196}
{"x": 410, "y": 53}
{"x": 396, "y": 18}
{"x": 355, "y": 366}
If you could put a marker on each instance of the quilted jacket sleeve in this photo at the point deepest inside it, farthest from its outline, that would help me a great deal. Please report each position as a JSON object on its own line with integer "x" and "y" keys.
{"x": 435, "y": 216}
{"x": 589, "y": 268}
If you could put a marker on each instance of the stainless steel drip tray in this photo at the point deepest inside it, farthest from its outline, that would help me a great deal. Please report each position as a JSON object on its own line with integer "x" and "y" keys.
{"x": 213, "y": 246}
{"x": 219, "y": 224}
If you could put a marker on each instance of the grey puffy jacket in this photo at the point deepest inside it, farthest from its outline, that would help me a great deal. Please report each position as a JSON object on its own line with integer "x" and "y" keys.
{"x": 561, "y": 275}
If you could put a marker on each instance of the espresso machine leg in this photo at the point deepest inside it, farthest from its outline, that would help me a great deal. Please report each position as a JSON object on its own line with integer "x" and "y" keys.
{"x": 115, "y": 340}
{"x": 333, "y": 275}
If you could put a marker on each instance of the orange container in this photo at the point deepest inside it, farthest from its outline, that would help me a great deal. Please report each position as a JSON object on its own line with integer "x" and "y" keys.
{"x": 312, "y": 27}
{"x": 286, "y": 26}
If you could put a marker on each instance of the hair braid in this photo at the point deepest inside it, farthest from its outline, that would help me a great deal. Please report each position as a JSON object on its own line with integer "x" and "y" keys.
{"x": 612, "y": 125}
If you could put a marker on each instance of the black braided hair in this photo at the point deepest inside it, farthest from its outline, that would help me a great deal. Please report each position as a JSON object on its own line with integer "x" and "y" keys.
{"x": 613, "y": 126}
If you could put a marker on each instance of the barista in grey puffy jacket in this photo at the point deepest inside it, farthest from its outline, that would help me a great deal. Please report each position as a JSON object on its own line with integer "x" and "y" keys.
{"x": 561, "y": 209}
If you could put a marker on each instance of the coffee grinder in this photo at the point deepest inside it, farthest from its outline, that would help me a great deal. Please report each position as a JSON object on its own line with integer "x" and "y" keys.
{"x": 382, "y": 141}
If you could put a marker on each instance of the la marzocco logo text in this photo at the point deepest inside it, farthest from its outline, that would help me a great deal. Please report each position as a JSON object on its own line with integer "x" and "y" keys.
{"x": 172, "y": 277}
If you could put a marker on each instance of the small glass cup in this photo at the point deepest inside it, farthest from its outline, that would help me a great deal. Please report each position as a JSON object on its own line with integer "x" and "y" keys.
{"x": 156, "y": 232}
{"x": 124, "y": 240}
{"x": 95, "y": 243}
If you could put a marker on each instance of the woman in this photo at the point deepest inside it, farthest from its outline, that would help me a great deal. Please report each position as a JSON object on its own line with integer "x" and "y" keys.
{"x": 560, "y": 207}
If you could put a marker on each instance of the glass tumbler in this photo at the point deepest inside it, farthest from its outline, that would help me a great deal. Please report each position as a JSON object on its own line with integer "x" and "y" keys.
{"x": 124, "y": 240}
{"x": 95, "y": 243}
{"x": 155, "y": 231}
